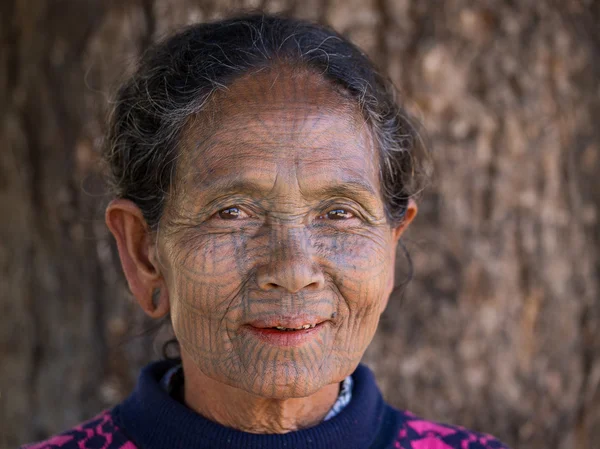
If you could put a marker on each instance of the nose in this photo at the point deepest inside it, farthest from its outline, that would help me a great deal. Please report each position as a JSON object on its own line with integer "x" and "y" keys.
{"x": 291, "y": 265}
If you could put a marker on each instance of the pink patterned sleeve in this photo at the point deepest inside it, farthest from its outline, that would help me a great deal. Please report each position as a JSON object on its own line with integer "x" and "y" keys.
{"x": 422, "y": 434}
{"x": 97, "y": 433}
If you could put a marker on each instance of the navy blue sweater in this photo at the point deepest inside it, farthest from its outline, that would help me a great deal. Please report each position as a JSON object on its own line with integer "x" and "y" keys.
{"x": 151, "y": 419}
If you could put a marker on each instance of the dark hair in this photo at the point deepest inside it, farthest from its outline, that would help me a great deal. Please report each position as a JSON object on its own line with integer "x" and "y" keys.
{"x": 177, "y": 76}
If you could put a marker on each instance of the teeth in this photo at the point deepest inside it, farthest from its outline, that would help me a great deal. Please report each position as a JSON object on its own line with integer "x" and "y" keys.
{"x": 306, "y": 326}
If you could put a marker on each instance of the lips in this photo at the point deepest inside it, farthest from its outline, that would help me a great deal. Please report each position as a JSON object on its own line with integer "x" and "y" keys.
{"x": 286, "y": 337}
{"x": 287, "y": 331}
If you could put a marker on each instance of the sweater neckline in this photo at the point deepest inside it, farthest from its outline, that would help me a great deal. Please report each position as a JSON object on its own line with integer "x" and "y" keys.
{"x": 154, "y": 420}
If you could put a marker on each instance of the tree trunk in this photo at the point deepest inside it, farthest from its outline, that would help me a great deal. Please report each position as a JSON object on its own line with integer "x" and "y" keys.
{"x": 499, "y": 328}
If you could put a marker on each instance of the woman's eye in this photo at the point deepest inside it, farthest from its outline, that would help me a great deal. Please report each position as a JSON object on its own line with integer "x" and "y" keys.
{"x": 338, "y": 214}
{"x": 231, "y": 213}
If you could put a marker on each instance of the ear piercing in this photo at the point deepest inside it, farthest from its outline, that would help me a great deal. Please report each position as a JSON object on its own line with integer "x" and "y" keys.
{"x": 155, "y": 297}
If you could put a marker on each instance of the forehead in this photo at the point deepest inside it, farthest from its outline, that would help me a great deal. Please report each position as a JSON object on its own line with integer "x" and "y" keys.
{"x": 278, "y": 122}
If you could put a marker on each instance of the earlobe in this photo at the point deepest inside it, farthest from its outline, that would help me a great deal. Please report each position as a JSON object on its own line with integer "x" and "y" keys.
{"x": 409, "y": 216}
{"x": 160, "y": 303}
{"x": 136, "y": 247}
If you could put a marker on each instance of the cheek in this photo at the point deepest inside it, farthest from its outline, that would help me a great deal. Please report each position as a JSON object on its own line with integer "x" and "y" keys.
{"x": 204, "y": 271}
{"x": 205, "y": 276}
{"x": 360, "y": 267}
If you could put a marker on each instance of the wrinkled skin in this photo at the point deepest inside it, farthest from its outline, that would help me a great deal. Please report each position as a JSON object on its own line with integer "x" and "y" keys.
{"x": 276, "y": 211}
{"x": 305, "y": 232}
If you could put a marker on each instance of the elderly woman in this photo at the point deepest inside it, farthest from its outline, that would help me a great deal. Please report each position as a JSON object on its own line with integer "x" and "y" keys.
{"x": 264, "y": 175}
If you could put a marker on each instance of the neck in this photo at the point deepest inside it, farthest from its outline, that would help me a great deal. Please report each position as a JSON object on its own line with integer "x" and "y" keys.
{"x": 241, "y": 410}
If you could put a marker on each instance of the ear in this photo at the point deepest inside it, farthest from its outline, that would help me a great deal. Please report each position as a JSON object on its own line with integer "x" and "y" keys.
{"x": 137, "y": 252}
{"x": 409, "y": 216}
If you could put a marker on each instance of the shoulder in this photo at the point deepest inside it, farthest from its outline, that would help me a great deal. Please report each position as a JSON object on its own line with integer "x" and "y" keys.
{"x": 418, "y": 433}
{"x": 98, "y": 432}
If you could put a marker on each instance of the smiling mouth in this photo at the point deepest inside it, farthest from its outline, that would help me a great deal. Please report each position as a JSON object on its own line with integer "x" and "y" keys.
{"x": 288, "y": 323}
{"x": 287, "y": 331}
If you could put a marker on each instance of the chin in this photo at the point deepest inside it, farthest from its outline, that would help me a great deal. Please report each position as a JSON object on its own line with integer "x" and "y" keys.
{"x": 287, "y": 380}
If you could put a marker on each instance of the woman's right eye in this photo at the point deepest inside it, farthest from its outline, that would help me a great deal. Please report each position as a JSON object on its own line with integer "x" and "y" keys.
{"x": 232, "y": 213}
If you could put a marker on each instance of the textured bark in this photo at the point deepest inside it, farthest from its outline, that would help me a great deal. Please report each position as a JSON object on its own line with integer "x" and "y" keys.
{"x": 499, "y": 329}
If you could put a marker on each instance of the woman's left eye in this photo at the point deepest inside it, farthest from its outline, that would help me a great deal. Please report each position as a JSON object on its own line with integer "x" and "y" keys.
{"x": 337, "y": 214}
{"x": 232, "y": 213}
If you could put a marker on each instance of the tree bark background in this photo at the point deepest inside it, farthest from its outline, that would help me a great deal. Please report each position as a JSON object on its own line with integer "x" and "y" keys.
{"x": 500, "y": 328}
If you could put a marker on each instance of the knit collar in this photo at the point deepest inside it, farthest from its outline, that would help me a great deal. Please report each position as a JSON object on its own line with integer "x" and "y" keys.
{"x": 154, "y": 420}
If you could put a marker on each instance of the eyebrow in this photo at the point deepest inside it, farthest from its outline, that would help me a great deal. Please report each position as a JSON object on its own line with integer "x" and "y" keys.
{"x": 352, "y": 187}
{"x": 348, "y": 188}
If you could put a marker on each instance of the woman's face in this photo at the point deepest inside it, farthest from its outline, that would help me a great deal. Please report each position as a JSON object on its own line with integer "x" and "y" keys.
{"x": 277, "y": 224}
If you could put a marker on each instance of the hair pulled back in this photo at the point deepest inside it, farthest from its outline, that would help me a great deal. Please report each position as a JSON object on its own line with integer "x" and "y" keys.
{"x": 177, "y": 76}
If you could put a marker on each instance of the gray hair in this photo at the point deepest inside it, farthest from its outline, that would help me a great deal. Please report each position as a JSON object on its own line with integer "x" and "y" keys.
{"x": 177, "y": 76}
